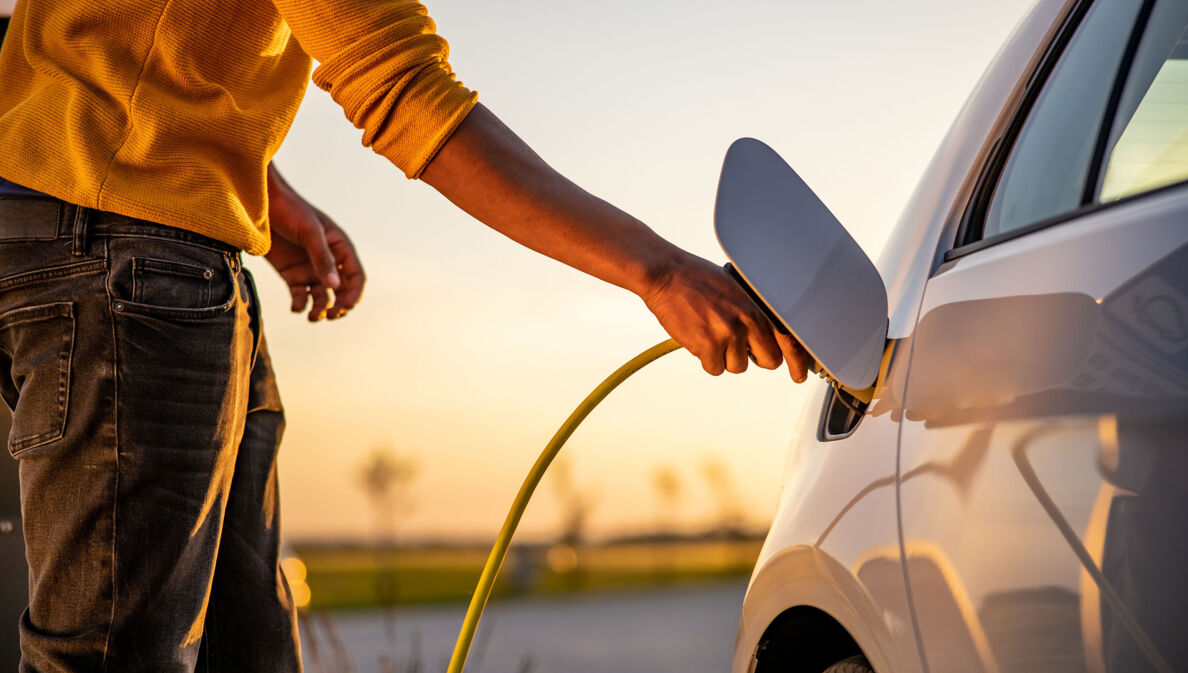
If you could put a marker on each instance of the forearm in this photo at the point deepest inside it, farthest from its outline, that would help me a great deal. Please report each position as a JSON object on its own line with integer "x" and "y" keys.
{"x": 486, "y": 170}
{"x": 490, "y": 173}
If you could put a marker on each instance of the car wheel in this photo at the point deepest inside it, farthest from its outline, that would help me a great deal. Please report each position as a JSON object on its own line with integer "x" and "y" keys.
{"x": 854, "y": 664}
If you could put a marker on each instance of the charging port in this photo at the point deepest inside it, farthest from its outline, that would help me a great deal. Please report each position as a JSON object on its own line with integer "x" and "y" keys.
{"x": 841, "y": 415}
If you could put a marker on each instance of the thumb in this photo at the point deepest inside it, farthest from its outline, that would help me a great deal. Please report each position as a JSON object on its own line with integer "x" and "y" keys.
{"x": 314, "y": 242}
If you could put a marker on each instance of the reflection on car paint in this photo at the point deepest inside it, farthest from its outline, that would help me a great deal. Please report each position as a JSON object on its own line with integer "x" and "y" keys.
{"x": 1085, "y": 401}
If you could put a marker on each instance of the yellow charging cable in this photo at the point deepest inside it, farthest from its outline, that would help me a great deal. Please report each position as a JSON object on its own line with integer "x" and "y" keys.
{"x": 490, "y": 571}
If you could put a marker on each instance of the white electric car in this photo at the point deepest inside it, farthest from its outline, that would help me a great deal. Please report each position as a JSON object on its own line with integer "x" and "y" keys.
{"x": 1014, "y": 496}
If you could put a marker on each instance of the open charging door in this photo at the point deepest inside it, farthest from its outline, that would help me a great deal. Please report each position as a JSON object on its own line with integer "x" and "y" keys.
{"x": 801, "y": 266}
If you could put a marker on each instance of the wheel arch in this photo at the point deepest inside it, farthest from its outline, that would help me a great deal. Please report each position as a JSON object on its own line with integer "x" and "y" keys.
{"x": 803, "y": 639}
{"x": 804, "y": 605}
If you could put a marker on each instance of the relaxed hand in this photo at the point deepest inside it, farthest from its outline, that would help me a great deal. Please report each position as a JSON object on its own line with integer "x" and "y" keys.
{"x": 312, "y": 254}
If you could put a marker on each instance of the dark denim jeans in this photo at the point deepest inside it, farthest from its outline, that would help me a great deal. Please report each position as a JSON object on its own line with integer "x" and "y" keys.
{"x": 146, "y": 421}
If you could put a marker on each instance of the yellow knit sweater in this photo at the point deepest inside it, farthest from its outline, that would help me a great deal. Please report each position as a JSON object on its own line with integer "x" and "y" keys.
{"x": 170, "y": 110}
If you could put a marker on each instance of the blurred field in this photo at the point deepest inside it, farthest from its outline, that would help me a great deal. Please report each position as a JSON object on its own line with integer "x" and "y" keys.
{"x": 362, "y": 577}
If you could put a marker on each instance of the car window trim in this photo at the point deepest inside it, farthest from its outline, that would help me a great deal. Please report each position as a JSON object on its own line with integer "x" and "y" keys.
{"x": 1094, "y": 177}
{"x": 973, "y": 218}
{"x": 970, "y": 232}
{"x": 1059, "y": 219}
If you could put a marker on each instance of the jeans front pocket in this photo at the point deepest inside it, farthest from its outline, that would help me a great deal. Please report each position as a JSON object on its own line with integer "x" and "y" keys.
{"x": 169, "y": 279}
{"x": 36, "y": 345}
{"x": 173, "y": 284}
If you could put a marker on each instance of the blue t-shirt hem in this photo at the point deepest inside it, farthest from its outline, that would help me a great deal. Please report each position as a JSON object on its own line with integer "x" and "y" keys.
{"x": 9, "y": 188}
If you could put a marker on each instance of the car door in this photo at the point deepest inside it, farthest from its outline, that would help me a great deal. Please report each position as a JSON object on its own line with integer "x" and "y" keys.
{"x": 1043, "y": 464}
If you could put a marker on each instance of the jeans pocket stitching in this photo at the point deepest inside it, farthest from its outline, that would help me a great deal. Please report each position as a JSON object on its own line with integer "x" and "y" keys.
{"x": 132, "y": 307}
{"x": 143, "y": 265}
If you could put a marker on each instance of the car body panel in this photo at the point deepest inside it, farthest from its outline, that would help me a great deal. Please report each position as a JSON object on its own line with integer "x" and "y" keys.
{"x": 1038, "y": 364}
{"x": 868, "y": 595}
{"x": 834, "y": 542}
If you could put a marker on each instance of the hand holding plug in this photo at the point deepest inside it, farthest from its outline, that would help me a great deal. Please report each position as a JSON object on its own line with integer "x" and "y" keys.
{"x": 707, "y": 312}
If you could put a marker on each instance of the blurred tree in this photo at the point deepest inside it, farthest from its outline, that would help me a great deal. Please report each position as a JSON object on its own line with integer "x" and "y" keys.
{"x": 669, "y": 490}
{"x": 729, "y": 520}
{"x": 576, "y": 503}
{"x": 385, "y": 477}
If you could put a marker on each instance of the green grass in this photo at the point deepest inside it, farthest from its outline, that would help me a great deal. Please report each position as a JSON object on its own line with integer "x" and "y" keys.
{"x": 360, "y": 578}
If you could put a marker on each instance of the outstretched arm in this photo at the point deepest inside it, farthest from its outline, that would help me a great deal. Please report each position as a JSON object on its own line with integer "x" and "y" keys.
{"x": 486, "y": 170}
{"x": 384, "y": 64}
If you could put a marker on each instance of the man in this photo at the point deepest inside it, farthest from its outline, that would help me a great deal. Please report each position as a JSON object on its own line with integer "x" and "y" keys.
{"x": 135, "y": 139}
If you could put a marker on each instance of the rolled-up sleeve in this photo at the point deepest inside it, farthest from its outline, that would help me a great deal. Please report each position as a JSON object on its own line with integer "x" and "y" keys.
{"x": 384, "y": 64}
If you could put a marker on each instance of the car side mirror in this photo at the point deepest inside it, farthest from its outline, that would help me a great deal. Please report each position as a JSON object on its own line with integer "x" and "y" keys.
{"x": 801, "y": 265}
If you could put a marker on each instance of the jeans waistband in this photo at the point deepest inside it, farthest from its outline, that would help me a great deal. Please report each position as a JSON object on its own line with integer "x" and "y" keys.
{"x": 46, "y": 218}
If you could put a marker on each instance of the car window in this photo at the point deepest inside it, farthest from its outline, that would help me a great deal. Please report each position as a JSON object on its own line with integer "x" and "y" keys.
{"x": 1049, "y": 165}
{"x": 1148, "y": 143}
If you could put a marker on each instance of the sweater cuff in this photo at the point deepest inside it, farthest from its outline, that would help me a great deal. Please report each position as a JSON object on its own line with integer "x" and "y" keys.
{"x": 401, "y": 93}
{"x": 437, "y": 104}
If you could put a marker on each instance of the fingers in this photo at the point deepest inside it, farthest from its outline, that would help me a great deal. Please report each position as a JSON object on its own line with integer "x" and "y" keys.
{"x": 762, "y": 344}
{"x": 350, "y": 291}
{"x": 713, "y": 361}
{"x": 736, "y": 349}
{"x": 321, "y": 301}
{"x": 738, "y": 341}
{"x": 794, "y": 355}
{"x": 313, "y": 239}
{"x": 748, "y": 336}
{"x": 757, "y": 340}
{"x": 300, "y": 296}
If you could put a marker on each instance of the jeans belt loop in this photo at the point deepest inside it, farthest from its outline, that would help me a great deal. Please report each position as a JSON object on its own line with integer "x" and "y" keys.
{"x": 82, "y": 217}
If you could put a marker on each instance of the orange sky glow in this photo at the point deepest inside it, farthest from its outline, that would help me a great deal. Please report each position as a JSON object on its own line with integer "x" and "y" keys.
{"x": 468, "y": 351}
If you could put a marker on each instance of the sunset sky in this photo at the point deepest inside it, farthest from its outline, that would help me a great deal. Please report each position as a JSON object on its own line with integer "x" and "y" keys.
{"x": 468, "y": 351}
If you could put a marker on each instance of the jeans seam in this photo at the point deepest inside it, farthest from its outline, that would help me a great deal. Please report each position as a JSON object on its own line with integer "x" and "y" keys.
{"x": 160, "y": 232}
{"x": 115, "y": 498}
{"x": 64, "y": 379}
{"x": 256, "y": 316}
{"x": 55, "y": 273}
{"x": 79, "y": 231}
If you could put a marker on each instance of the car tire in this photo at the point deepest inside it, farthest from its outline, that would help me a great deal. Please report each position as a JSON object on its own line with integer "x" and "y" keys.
{"x": 854, "y": 664}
